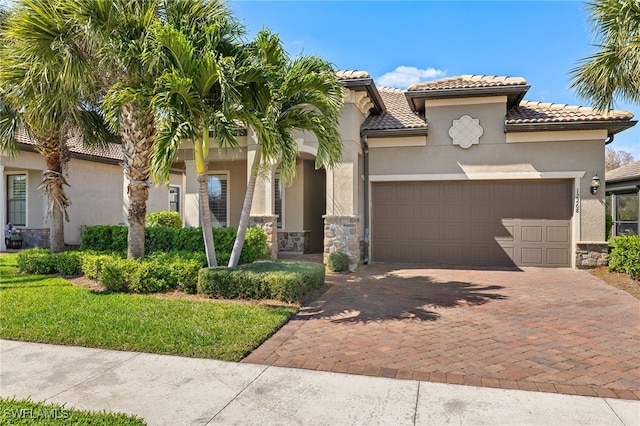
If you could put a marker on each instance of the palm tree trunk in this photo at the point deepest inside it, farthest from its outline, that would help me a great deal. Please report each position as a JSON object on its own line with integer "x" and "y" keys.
{"x": 246, "y": 211}
{"x": 56, "y": 160}
{"x": 203, "y": 199}
{"x": 137, "y": 140}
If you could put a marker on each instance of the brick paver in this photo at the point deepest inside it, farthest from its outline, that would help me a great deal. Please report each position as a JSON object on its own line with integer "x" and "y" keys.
{"x": 550, "y": 330}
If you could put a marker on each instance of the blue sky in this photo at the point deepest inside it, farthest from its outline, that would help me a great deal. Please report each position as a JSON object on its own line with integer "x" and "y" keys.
{"x": 401, "y": 42}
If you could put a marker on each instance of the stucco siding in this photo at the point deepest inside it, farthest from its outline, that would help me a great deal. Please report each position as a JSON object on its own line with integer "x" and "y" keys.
{"x": 96, "y": 197}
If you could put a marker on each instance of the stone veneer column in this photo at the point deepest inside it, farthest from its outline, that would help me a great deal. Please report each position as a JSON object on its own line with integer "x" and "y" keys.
{"x": 590, "y": 254}
{"x": 269, "y": 224}
{"x": 342, "y": 234}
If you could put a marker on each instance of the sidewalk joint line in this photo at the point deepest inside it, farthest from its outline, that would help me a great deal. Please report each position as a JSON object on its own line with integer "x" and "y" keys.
{"x": 415, "y": 408}
{"x": 237, "y": 395}
{"x": 606, "y": 401}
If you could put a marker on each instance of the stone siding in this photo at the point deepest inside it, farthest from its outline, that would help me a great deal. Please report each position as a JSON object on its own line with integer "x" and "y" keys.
{"x": 35, "y": 237}
{"x": 296, "y": 241}
{"x": 269, "y": 226}
{"x": 342, "y": 234}
{"x": 592, "y": 254}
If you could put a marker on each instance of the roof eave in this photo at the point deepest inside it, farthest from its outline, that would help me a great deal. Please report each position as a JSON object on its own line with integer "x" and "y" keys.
{"x": 514, "y": 94}
{"x": 386, "y": 133}
{"x": 612, "y": 127}
{"x": 75, "y": 155}
{"x": 366, "y": 84}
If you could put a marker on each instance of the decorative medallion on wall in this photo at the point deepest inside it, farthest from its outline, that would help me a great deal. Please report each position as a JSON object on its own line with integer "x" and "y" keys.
{"x": 466, "y": 131}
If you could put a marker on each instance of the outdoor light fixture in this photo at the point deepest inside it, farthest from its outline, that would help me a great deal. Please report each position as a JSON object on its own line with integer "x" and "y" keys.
{"x": 595, "y": 184}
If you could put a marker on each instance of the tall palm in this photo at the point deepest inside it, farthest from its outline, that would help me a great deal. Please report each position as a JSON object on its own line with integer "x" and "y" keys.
{"x": 300, "y": 94}
{"x": 613, "y": 71}
{"x": 194, "y": 93}
{"x": 45, "y": 92}
{"x": 120, "y": 31}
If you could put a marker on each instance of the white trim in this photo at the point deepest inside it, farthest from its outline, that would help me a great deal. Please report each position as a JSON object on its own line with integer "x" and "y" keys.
{"x": 306, "y": 148}
{"x": 556, "y": 136}
{"x": 477, "y": 176}
{"x": 429, "y": 103}
{"x": 5, "y": 194}
{"x": 576, "y": 218}
{"x": 228, "y": 174}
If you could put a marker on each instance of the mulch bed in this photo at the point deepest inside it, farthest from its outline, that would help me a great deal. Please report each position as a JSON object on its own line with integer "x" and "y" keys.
{"x": 620, "y": 281}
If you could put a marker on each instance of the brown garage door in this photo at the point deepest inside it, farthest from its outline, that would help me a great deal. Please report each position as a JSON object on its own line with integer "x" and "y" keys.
{"x": 523, "y": 223}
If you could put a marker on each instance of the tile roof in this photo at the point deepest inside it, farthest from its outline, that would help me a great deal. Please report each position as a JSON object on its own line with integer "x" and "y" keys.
{"x": 397, "y": 116}
{"x": 112, "y": 151}
{"x": 351, "y": 74}
{"x": 539, "y": 112}
{"x": 628, "y": 171}
{"x": 468, "y": 82}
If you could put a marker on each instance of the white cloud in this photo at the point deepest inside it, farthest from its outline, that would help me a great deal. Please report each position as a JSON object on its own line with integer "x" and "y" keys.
{"x": 404, "y": 76}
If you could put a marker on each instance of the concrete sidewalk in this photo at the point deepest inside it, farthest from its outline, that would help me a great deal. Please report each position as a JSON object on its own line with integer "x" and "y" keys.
{"x": 169, "y": 390}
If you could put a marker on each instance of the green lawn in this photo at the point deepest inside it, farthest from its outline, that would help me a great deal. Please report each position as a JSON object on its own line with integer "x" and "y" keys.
{"x": 52, "y": 310}
{"x": 26, "y": 412}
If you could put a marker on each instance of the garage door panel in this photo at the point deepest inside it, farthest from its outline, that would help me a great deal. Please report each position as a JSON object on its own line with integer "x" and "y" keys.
{"x": 558, "y": 234}
{"x": 503, "y": 232}
{"x": 474, "y": 223}
{"x": 405, "y": 232}
{"x": 405, "y": 192}
{"x": 531, "y": 234}
{"x": 531, "y": 256}
{"x": 557, "y": 256}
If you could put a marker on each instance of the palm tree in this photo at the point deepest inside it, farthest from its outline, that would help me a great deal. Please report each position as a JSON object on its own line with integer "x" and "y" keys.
{"x": 120, "y": 31}
{"x": 45, "y": 93}
{"x": 613, "y": 71}
{"x": 194, "y": 94}
{"x": 302, "y": 94}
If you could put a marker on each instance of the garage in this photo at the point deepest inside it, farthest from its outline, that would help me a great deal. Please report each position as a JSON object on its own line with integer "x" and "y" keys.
{"x": 473, "y": 223}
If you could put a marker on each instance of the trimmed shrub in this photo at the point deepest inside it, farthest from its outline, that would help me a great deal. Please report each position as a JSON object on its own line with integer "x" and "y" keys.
{"x": 283, "y": 280}
{"x": 159, "y": 238}
{"x": 92, "y": 263}
{"x": 625, "y": 255}
{"x": 68, "y": 263}
{"x": 338, "y": 262}
{"x": 36, "y": 261}
{"x": 109, "y": 238}
{"x": 169, "y": 219}
{"x": 117, "y": 273}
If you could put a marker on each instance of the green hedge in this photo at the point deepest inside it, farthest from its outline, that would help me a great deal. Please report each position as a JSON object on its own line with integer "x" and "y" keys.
{"x": 625, "y": 255}
{"x": 113, "y": 238}
{"x": 41, "y": 261}
{"x": 170, "y": 219}
{"x": 338, "y": 262}
{"x": 159, "y": 272}
{"x": 284, "y": 280}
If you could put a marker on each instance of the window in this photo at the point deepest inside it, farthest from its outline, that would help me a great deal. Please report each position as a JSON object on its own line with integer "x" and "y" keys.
{"x": 218, "y": 199}
{"x": 278, "y": 189}
{"x": 17, "y": 199}
{"x": 174, "y": 199}
{"x": 627, "y": 214}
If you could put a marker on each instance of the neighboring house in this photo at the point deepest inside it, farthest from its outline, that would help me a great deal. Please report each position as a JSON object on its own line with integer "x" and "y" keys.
{"x": 97, "y": 192}
{"x": 623, "y": 202}
{"x": 458, "y": 171}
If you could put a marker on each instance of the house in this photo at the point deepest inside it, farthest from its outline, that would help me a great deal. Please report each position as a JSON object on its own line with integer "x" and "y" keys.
{"x": 622, "y": 200}
{"x": 457, "y": 171}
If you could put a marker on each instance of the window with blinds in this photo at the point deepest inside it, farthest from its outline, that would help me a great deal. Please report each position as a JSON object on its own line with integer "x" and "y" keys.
{"x": 277, "y": 199}
{"x": 218, "y": 199}
{"x": 17, "y": 199}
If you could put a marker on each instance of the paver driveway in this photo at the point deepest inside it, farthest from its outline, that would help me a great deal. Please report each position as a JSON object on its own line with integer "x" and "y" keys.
{"x": 552, "y": 330}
